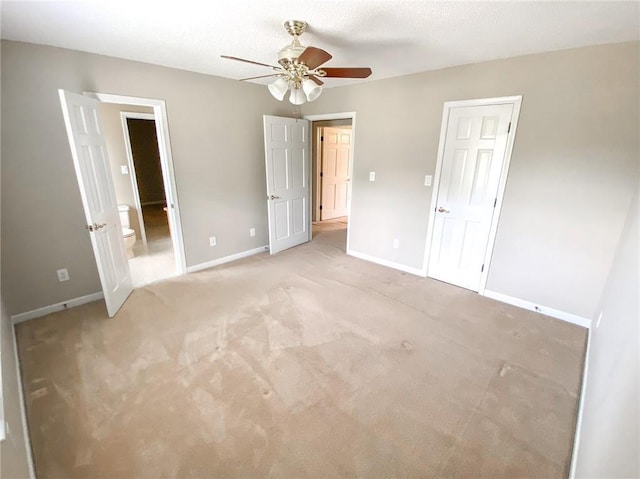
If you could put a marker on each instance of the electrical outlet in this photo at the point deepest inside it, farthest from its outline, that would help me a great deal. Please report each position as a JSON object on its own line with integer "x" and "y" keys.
{"x": 427, "y": 180}
{"x": 396, "y": 243}
{"x": 252, "y": 232}
{"x": 212, "y": 241}
{"x": 63, "y": 275}
{"x": 372, "y": 176}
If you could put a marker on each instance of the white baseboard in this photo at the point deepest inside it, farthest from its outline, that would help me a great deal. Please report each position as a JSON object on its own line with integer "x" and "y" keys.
{"x": 23, "y": 411}
{"x": 554, "y": 313}
{"x": 37, "y": 313}
{"x": 226, "y": 259}
{"x": 388, "y": 264}
{"x": 583, "y": 390}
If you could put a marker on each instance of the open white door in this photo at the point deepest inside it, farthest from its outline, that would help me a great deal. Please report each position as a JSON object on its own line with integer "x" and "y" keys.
{"x": 336, "y": 153}
{"x": 89, "y": 153}
{"x": 286, "y": 144}
{"x": 472, "y": 163}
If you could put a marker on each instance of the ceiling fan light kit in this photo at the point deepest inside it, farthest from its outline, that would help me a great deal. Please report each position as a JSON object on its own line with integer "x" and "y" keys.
{"x": 299, "y": 70}
{"x": 279, "y": 88}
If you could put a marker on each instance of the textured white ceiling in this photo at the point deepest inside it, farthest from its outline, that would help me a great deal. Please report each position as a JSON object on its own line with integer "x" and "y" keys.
{"x": 392, "y": 37}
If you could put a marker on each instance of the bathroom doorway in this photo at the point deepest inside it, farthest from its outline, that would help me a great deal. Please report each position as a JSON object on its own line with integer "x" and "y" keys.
{"x": 131, "y": 133}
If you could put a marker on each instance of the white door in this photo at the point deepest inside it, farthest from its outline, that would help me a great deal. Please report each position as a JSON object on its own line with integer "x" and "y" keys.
{"x": 286, "y": 143}
{"x": 89, "y": 153}
{"x": 336, "y": 151}
{"x": 472, "y": 162}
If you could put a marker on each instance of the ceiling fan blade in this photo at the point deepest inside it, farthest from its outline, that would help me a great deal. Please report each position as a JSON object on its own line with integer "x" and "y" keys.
{"x": 261, "y": 76}
{"x": 314, "y": 57}
{"x": 316, "y": 80}
{"x": 347, "y": 72}
{"x": 249, "y": 61}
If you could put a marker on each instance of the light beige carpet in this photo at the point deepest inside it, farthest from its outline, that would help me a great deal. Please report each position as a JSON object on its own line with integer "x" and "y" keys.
{"x": 308, "y": 363}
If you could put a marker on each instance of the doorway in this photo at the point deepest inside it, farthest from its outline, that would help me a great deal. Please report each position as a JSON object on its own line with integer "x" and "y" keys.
{"x": 136, "y": 134}
{"x": 332, "y": 166}
{"x": 152, "y": 256}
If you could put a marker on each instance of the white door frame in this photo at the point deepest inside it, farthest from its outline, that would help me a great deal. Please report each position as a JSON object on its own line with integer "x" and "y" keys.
{"x": 338, "y": 116}
{"x": 166, "y": 162}
{"x": 124, "y": 116}
{"x": 516, "y": 101}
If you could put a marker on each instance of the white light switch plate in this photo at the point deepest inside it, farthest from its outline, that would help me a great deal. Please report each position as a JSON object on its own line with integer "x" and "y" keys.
{"x": 372, "y": 176}
{"x": 427, "y": 180}
{"x": 124, "y": 169}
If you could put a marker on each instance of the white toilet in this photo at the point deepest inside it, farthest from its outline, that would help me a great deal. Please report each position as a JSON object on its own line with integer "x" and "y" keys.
{"x": 128, "y": 234}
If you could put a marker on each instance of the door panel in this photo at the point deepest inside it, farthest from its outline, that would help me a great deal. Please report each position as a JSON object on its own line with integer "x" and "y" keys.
{"x": 91, "y": 164}
{"x": 473, "y": 157}
{"x": 287, "y": 167}
{"x": 336, "y": 156}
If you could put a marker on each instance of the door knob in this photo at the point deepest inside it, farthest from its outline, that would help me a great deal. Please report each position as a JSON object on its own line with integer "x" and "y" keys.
{"x": 95, "y": 226}
{"x": 272, "y": 197}
{"x": 442, "y": 210}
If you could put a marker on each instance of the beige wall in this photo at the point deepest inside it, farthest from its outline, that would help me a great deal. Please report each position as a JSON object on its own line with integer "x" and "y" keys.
{"x": 217, "y": 144}
{"x": 575, "y": 162}
{"x": 609, "y": 438}
{"x": 114, "y": 136}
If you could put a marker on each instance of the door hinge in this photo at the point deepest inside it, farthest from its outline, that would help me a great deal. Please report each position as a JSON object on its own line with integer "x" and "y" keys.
{"x": 320, "y": 206}
{"x": 495, "y": 202}
{"x": 509, "y": 129}
{"x": 482, "y": 269}
{"x": 321, "y": 174}
{"x": 322, "y": 138}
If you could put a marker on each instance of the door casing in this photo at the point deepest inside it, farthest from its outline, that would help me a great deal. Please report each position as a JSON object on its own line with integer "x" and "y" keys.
{"x": 517, "y": 102}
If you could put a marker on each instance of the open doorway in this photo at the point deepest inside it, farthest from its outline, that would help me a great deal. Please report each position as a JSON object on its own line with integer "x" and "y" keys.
{"x": 135, "y": 152}
{"x": 332, "y": 166}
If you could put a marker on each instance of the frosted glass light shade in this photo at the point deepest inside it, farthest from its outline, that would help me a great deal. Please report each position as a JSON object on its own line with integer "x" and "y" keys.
{"x": 279, "y": 88}
{"x": 311, "y": 90}
{"x": 297, "y": 96}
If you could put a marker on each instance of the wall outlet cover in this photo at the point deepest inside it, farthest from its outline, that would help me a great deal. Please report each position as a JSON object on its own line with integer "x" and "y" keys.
{"x": 212, "y": 241}
{"x": 63, "y": 274}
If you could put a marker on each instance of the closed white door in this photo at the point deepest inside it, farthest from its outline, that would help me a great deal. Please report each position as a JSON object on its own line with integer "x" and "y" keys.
{"x": 286, "y": 143}
{"x": 336, "y": 151}
{"x": 89, "y": 153}
{"x": 472, "y": 162}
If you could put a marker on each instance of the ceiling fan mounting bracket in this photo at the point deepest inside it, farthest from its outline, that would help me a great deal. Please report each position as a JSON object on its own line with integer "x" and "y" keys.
{"x": 295, "y": 28}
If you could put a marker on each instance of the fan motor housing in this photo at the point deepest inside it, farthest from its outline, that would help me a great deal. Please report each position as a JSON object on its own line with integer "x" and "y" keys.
{"x": 290, "y": 53}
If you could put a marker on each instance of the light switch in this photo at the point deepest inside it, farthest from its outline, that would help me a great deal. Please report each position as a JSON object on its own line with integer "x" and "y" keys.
{"x": 372, "y": 176}
{"x": 124, "y": 169}
{"x": 427, "y": 180}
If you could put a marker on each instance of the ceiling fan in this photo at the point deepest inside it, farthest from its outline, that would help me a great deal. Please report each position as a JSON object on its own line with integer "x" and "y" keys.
{"x": 299, "y": 68}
